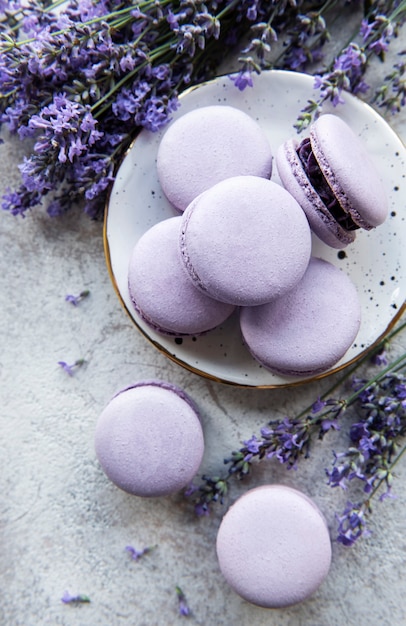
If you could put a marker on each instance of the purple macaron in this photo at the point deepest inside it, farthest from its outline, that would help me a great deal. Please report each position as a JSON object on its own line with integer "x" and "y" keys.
{"x": 334, "y": 179}
{"x": 207, "y": 145}
{"x": 160, "y": 289}
{"x": 310, "y": 328}
{"x": 149, "y": 439}
{"x": 245, "y": 241}
{"x": 273, "y": 546}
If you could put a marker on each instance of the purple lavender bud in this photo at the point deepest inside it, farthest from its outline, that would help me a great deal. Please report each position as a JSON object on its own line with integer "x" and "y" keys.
{"x": 318, "y": 405}
{"x": 137, "y": 554}
{"x": 242, "y": 80}
{"x": 67, "y": 598}
{"x": 76, "y": 299}
{"x": 70, "y": 369}
{"x": 183, "y": 607}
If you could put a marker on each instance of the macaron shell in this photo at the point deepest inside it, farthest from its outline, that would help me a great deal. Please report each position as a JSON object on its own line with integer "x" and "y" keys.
{"x": 149, "y": 439}
{"x": 308, "y": 330}
{"x": 273, "y": 546}
{"x": 245, "y": 241}
{"x": 160, "y": 289}
{"x": 207, "y": 145}
{"x": 294, "y": 179}
{"x": 349, "y": 170}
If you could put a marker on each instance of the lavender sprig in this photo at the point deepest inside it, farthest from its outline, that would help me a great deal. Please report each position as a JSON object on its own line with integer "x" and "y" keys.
{"x": 392, "y": 94}
{"x": 82, "y": 82}
{"x": 347, "y": 71}
{"x": 352, "y": 521}
{"x": 373, "y": 451}
{"x": 289, "y": 439}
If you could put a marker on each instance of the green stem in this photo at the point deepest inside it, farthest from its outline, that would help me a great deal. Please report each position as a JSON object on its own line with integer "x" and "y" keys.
{"x": 96, "y": 20}
{"x": 160, "y": 50}
{"x": 389, "y": 368}
{"x": 380, "y": 483}
{"x": 353, "y": 368}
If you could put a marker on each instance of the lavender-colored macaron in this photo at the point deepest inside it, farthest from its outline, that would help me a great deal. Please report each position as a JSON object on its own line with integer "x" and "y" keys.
{"x": 334, "y": 179}
{"x": 310, "y": 328}
{"x": 207, "y": 145}
{"x": 149, "y": 439}
{"x": 160, "y": 289}
{"x": 273, "y": 546}
{"x": 245, "y": 241}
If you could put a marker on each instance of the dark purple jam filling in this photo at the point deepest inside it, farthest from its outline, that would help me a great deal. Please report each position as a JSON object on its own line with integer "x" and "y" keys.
{"x": 320, "y": 185}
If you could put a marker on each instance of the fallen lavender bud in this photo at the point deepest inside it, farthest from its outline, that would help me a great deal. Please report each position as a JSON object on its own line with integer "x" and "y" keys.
{"x": 184, "y": 609}
{"x": 70, "y": 369}
{"x": 137, "y": 554}
{"x": 76, "y": 299}
{"x": 67, "y": 598}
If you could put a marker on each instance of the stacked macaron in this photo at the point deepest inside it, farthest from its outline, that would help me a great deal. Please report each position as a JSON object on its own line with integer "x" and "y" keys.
{"x": 242, "y": 240}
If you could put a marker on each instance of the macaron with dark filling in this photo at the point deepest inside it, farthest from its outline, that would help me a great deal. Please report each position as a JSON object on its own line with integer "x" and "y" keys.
{"x": 335, "y": 180}
{"x": 310, "y": 328}
{"x": 149, "y": 439}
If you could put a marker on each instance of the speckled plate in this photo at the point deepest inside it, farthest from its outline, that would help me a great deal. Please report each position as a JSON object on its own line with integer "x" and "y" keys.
{"x": 375, "y": 262}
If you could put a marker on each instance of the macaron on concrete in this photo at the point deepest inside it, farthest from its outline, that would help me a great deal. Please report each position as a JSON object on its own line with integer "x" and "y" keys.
{"x": 334, "y": 179}
{"x": 149, "y": 439}
{"x": 273, "y": 546}
{"x": 310, "y": 328}
{"x": 160, "y": 289}
{"x": 207, "y": 145}
{"x": 245, "y": 241}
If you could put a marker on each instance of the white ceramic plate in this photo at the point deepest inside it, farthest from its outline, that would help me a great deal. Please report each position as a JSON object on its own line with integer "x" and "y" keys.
{"x": 375, "y": 262}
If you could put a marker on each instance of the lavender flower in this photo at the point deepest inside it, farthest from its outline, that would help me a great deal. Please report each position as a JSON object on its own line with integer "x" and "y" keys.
{"x": 285, "y": 440}
{"x": 346, "y": 75}
{"x": 305, "y": 41}
{"x": 392, "y": 94}
{"x": 137, "y": 554}
{"x": 70, "y": 369}
{"x": 184, "y": 610}
{"x": 76, "y": 299}
{"x": 380, "y": 357}
{"x": 81, "y": 83}
{"x": 372, "y": 452}
{"x": 347, "y": 71}
{"x": 67, "y": 598}
{"x": 374, "y": 438}
{"x": 351, "y": 524}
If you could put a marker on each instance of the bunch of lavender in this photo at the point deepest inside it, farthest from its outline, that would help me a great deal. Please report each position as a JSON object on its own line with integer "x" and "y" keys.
{"x": 381, "y": 24}
{"x": 373, "y": 452}
{"x": 379, "y": 404}
{"x": 81, "y": 77}
{"x": 81, "y": 83}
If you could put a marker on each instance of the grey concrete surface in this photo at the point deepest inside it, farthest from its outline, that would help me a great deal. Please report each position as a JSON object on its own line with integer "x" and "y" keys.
{"x": 64, "y": 526}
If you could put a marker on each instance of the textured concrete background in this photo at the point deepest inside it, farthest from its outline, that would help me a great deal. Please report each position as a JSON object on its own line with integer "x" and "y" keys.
{"x": 63, "y": 526}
